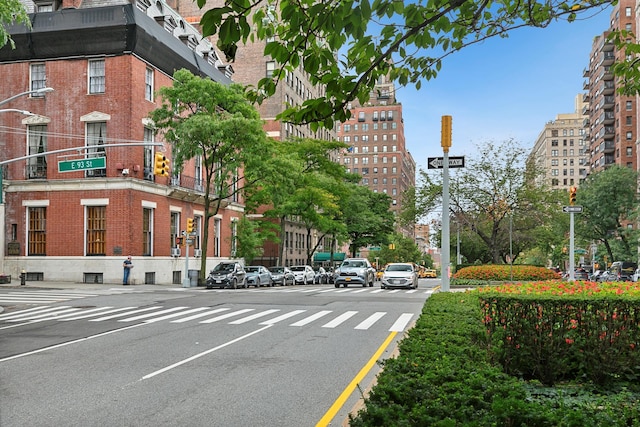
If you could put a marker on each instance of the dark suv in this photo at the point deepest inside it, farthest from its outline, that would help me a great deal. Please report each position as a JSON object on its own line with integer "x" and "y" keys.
{"x": 228, "y": 274}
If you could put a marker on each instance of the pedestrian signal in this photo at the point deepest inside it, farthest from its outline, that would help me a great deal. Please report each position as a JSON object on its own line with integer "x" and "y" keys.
{"x": 161, "y": 165}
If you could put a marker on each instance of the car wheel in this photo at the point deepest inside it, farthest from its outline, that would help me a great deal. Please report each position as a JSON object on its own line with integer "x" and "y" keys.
{"x": 344, "y": 286}
{"x": 258, "y": 283}
{"x": 234, "y": 284}
{"x": 245, "y": 284}
{"x": 337, "y": 285}
{"x": 382, "y": 287}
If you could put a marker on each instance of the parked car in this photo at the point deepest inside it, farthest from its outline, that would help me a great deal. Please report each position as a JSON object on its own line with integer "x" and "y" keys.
{"x": 606, "y": 276}
{"x": 258, "y": 275}
{"x": 227, "y": 275}
{"x": 580, "y": 274}
{"x": 304, "y": 274}
{"x": 636, "y": 275}
{"x": 622, "y": 270}
{"x": 594, "y": 276}
{"x": 355, "y": 271}
{"x": 399, "y": 275}
{"x": 321, "y": 275}
{"x": 282, "y": 276}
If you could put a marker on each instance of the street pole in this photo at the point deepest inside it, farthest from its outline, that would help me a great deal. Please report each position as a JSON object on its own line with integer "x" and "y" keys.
{"x": 511, "y": 246}
{"x": 571, "y": 249}
{"x": 186, "y": 282}
{"x": 445, "y": 250}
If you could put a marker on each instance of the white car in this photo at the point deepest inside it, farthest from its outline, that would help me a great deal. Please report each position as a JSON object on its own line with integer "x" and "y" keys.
{"x": 303, "y": 274}
{"x": 399, "y": 275}
{"x": 636, "y": 275}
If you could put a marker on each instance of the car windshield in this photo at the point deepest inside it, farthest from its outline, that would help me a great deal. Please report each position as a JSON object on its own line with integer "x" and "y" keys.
{"x": 297, "y": 268}
{"x": 355, "y": 264}
{"x": 224, "y": 267}
{"x": 399, "y": 267}
{"x": 277, "y": 269}
{"x": 251, "y": 269}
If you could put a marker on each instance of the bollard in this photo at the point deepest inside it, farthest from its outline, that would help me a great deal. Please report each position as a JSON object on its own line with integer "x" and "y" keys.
{"x": 23, "y": 278}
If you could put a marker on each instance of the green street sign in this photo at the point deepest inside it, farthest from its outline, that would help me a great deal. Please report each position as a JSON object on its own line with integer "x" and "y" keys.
{"x": 82, "y": 164}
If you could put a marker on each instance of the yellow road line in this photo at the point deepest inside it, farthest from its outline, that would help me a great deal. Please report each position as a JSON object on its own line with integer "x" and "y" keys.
{"x": 341, "y": 400}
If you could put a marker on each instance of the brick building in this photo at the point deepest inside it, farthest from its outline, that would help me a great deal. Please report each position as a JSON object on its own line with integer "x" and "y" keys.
{"x": 251, "y": 65}
{"x": 105, "y": 60}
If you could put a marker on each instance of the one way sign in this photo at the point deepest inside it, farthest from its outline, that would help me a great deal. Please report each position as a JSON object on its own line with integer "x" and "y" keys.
{"x": 437, "y": 162}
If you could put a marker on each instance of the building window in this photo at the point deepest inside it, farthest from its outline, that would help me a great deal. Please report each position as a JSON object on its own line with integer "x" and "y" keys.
{"x": 375, "y": 118}
{"x": 629, "y": 151}
{"x": 361, "y": 116}
{"x": 148, "y": 85}
{"x": 148, "y": 136}
{"x": 629, "y": 105}
{"x": 96, "y": 76}
{"x": 38, "y": 78}
{"x": 96, "y": 135}
{"x": 147, "y": 226}
{"x": 271, "y": 68}
{"x": 554, "y": 142}
{"x": 37, "y": 235}
{"x": 96, "y": 230}
{"x": 234, "y": 237}
{"x": 174, "y": 228}
{"x": 629, "y": 136}
{"x": 628, "y": 120}
{"x": 217, "y": 224}
{"x": 197, "y": 223}
{"x": 627, "y": 12}
{"x": 37, "y": 166}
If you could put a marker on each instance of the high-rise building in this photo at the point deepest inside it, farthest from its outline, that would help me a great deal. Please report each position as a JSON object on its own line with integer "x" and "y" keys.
{"x": 611, "y": 127}
{"x": 561, "y": 150}
{"x": 377, "y": 148}
{"x": 75, "y": 215}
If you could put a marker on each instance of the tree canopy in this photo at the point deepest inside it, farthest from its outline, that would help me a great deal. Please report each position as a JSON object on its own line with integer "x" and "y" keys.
{"x": 347, "y": 45}
{"x": 11, "y": 12}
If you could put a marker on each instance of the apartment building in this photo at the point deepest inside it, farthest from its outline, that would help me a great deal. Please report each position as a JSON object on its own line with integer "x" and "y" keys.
{"x": 377, "y": 147}
{"x": 251, "y": 65}
{"x": 612, "y": 124}
{"x": 76, "y": 213}
{"x": 561, "y": 149}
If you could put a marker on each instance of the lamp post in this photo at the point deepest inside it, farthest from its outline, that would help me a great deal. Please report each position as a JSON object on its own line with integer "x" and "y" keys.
{"x": 15, "y": 110}
{"x": 42, "y": 90}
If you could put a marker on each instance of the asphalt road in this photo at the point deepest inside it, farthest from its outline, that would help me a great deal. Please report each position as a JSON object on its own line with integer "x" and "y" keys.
{"x": 284, "y": 356}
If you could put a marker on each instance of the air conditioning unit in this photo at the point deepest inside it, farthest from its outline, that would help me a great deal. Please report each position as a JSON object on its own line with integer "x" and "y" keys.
{"x": 175, "y": 252}
{"x": 197, "y": 253}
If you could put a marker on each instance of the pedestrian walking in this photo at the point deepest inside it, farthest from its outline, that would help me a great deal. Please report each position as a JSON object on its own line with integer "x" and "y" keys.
{"x": 128, "y": 265}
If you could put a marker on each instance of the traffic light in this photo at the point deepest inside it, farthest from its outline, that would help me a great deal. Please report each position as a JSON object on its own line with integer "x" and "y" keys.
{"x": 572, "y": 195}
{"x": 189, "y": 225}
{"x": 446, "y": 133}
{"x": 161, "y": 165}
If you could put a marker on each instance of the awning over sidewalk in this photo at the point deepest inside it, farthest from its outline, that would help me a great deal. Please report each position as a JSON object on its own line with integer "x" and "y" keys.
{"x": 326, "y": 256}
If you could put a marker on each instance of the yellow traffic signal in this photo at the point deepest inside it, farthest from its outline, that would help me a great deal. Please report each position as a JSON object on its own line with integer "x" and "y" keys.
{"x": 446, "y": 133}
{"x": 161, "y": 165}
{"x": 189, "y": 225}
{"x": 572, "y": 195}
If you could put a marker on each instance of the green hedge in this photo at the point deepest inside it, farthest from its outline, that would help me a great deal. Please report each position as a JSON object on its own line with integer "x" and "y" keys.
{"x": 444, "y": 376}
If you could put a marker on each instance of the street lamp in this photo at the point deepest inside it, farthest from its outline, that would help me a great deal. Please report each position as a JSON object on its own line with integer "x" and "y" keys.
{"x": 14, "y": 110}
{"x": 42, "y": 90}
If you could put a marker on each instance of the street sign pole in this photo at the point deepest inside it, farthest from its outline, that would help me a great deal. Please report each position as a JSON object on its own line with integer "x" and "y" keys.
{"x": 571, "y": 249}
{"x": 445, "y": 250}
{"x": 186, "y": 283}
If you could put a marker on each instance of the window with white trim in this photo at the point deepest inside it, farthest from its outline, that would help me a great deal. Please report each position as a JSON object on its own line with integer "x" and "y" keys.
{"x": 96, "y": 76}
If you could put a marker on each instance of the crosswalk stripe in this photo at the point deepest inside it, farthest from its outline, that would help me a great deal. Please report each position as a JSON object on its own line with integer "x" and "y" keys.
{"x": 100, "y": 312}
{"x": 27, "y": 314}
{"x": 146, "y": 316}
{"x": 182, "y": 313}
{"x": 369, "y": 321}
{"x": 228, "y": 315}
{"x": 340, "y": 319}
{"x": 197, "y": 316}
{"x": 282, "y": 317}
{"x": 401, "y": 323}
{"x": 311, "y": 318}
{"x": 15, "y": 313}
{"x": 113, "y": 316}
{"x": 47, "y": 315}
{"x": 253, "y": 317}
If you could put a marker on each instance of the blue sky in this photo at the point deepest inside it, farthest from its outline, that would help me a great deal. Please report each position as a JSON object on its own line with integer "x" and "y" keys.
{"x": 501, "y": 88}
